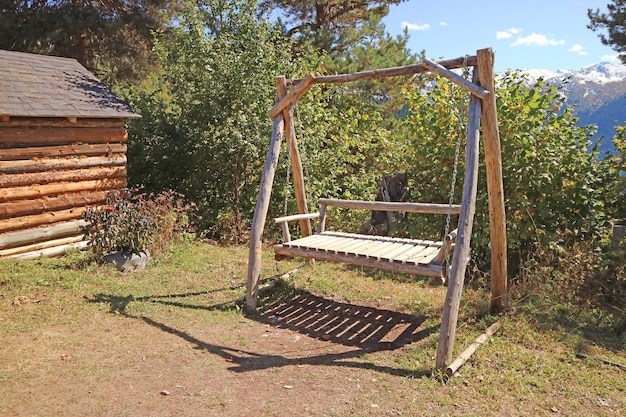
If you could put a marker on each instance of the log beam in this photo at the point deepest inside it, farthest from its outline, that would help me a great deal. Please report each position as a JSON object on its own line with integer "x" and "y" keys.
{"x": 457, "y": 79}
{"x": 18, "y": 180}
{"x": 294, "y": 95}
{"x": 452, "y": 303}
{"x": 467, "y": 353}
{"x": 48, "y": 218}
{"x": 53, "y": 164}
{"x": 38, "y": 191}
{"x": 37, "y": 234}
{"x": 390, "y": 72}
{"x": 294, "y": 159}
{"x": 14, "y": 154}
{"x": 260, "y": 213}
{"x": 495, "y": 187}
{"x": 49, "y": 135}
{"x": 41, "y": 205}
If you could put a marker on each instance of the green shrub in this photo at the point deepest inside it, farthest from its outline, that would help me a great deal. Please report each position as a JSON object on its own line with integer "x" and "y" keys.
{"x": 134, "y": 222}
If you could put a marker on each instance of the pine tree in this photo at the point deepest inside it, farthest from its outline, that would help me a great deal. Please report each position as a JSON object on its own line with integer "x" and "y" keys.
{"x": 112, "y": 38}
{"x": 614, "y": 22}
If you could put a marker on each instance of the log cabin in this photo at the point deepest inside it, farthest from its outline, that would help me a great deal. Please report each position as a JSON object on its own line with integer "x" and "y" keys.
{"x": 62, "y": 149}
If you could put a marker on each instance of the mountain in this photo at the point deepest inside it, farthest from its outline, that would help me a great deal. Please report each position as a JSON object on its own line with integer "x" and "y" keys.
{"x": 599, "y": 94}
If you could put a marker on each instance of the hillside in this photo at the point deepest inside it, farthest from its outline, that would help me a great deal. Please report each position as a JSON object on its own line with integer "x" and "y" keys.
{"x": 599, "y": 94}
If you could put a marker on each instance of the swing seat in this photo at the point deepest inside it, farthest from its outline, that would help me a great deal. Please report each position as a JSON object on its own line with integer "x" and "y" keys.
{"x": 416, "y": 257}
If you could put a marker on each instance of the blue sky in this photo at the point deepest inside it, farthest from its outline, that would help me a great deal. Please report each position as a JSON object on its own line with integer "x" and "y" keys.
{"x": 525, "y": 34}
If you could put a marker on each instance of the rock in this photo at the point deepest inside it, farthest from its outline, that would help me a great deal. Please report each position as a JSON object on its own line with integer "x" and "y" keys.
{"x": 128, "y": 261}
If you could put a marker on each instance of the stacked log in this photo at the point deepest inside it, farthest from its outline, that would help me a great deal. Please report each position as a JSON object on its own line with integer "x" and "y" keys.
{"x": 51, "y": 171}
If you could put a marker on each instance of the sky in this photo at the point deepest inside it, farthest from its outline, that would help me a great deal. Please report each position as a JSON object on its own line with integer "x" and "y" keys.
{"x": 525, "y": 34}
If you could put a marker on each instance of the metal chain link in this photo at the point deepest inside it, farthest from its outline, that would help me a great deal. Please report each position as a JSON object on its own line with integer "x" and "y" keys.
{"x": 455, "y": 169}
{"x": 287, "y": 179}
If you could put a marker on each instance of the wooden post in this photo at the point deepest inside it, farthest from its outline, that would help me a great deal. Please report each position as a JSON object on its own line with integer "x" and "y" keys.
{"x": 294, "y": 158}
{"x": 461, "y": 253}
{"x": 260, "y": 213}
{"x": 495, "y": 188}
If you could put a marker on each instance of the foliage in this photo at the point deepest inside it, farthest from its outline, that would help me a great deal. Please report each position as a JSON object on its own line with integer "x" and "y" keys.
{"x": 346, "y": 149}
{"x": 206, "y": 130}
{"x": 135, "y": 222}
{"x": 113, "y": 39}
{"x": 123, "y": 225}
{"x": 553, "y": 185}
{"x": 584, "y": 277}
{"x": 614, "y": 169}
{"x": 614, "y": 22}
{"x": 332, "y": 27}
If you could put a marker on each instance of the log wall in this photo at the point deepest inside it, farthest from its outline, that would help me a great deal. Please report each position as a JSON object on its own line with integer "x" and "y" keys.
{"x": 51, "y": 170}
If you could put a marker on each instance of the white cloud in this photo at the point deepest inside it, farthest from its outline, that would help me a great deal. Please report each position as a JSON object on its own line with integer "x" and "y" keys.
{"x": 443, "y": 23}
{"x": 610, "y": 58}
{"x": 508, "y": 33}
{"x": 578, "y": 49}
{"x": 415, "y": 26}
{"x": 535, "y": 39}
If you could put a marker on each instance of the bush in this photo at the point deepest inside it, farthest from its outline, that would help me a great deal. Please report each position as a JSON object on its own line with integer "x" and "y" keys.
{"x": 136, "y": 222}
{"x": 553, "y": 186}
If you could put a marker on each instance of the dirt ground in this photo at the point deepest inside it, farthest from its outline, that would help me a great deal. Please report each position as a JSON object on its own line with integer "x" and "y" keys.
{"x": 303, "y": 356}
{"x": 93, "y": 343}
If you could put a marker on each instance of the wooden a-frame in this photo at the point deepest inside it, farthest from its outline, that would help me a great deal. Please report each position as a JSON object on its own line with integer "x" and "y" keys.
{"x": 482, "y": 110}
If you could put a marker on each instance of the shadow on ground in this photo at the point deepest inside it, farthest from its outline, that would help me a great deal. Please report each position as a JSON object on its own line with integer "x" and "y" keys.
{"x": 368, "y": 328}
{"x": 360, "y": 329}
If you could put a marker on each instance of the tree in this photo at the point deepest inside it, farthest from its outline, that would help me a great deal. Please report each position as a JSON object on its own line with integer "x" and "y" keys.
{"x": 330, "y": 26}
{"x": 111, "y": 38}
{"x": 207, "y": 130}
{"x": 614, "y": 22}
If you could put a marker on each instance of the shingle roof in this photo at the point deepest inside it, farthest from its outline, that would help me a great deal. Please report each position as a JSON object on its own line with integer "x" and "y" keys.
{"x": 47, "y": 86}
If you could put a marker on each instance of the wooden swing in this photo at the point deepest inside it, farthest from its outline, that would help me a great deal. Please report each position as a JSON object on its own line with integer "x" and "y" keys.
{"x": 411, "y": 256}
{"x": 417, "y": 257}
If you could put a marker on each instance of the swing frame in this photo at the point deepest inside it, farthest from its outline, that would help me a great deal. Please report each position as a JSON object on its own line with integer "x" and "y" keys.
{"x": 482, "y": 110}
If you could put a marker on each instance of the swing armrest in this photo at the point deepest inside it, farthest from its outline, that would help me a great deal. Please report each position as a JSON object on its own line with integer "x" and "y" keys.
{"x": 446, "y": 247}
{"x": 284, "y": 222}
{"x": 451, "y": 235}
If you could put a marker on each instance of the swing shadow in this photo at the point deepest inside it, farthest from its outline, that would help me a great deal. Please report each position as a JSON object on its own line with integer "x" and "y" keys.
{"x": 366, "y": 329}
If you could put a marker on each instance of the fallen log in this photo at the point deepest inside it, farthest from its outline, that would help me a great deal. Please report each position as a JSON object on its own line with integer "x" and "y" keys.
{"x": 467, "y": 353}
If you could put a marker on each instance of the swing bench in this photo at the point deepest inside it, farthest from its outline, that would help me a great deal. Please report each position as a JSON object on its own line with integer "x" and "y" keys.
{"x": 416, "y": 257}
{"x": 411, "y": 256}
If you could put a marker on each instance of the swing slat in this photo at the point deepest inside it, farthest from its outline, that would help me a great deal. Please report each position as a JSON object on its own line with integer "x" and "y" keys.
{"x": 419, "y": 257}
{"x": 402, "y": 255}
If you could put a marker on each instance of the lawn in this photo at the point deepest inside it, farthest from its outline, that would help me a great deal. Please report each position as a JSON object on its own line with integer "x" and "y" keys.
{"x": 328, "y": 340}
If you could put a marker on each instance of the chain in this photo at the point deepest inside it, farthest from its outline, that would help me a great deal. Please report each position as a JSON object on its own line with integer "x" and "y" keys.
{"x": 455, "y": 169}
{"x": 287, "y": 181}
{"x": 302, "y": 146}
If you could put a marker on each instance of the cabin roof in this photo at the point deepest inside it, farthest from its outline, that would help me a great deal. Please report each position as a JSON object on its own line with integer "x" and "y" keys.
{"x": 48, "y": 86}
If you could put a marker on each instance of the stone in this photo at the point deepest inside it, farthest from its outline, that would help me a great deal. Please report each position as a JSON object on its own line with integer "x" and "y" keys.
{"x": 128, "y": 261}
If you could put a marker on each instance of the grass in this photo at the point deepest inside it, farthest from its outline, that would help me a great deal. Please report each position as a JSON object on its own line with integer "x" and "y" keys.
{"x": 528, "y": 368}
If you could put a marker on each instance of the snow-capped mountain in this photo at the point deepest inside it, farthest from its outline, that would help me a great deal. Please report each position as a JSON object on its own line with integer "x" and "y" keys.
{"x": 599, "y": 94}
{"x": 602, "y": 73}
